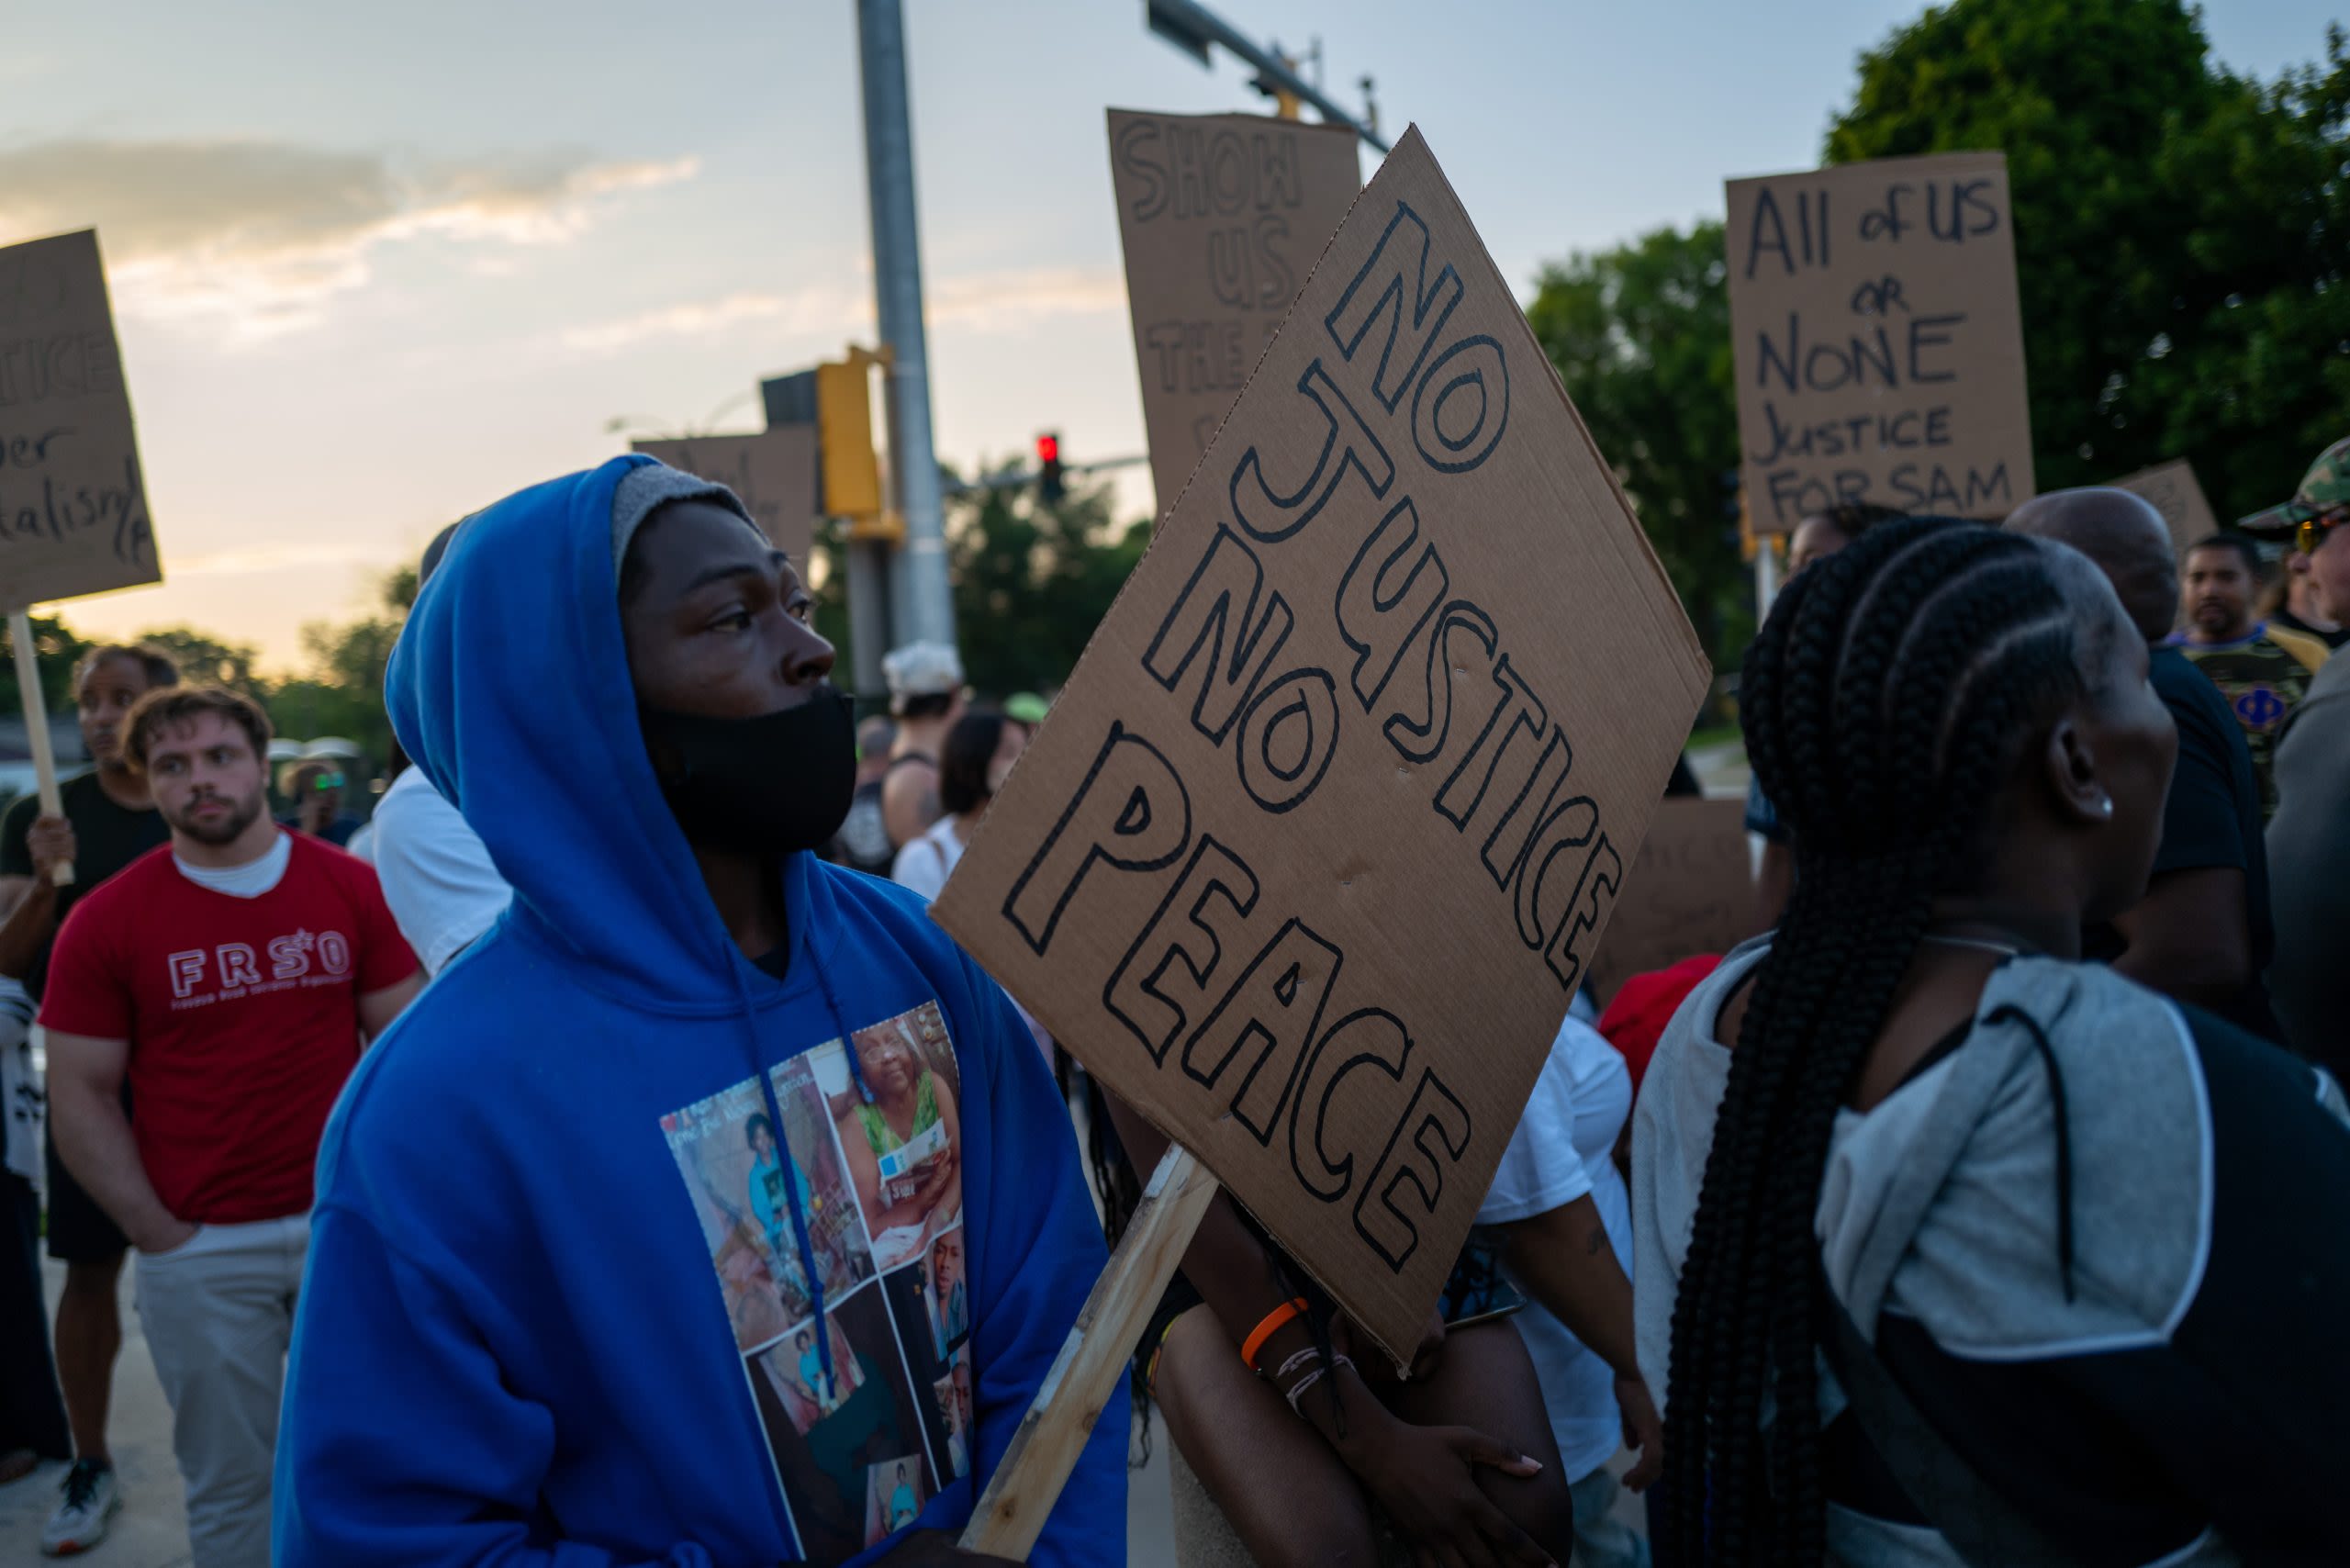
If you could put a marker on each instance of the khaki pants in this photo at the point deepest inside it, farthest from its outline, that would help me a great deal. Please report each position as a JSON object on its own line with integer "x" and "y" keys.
{"x": 218, "y": 1315}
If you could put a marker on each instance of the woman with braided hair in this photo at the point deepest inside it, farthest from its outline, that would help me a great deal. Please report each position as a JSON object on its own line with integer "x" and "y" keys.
{"x": 1970, "y": 1251}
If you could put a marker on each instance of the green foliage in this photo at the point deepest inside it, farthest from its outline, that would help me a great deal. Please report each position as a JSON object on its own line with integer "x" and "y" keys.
{"x": 2181, "y": 232}
{"x": 2182, "y": 241}
{"x": 57, "y": 650}
{"x": 1641, "y": 336}
{"x": 340, "y": 691}
{"x": 205, "y": 660}
{"x": 1032, "y": 581}
{"x": 343, "y": 692}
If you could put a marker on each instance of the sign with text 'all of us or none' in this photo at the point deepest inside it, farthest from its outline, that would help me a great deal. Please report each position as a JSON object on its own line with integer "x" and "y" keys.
{"x": 72, "y": 503}
{"x": 1877, "y": 339}
{"x": 1222, "y": 216}
{"x": 771, "y": 472}
{"x": 1320, "y": 840}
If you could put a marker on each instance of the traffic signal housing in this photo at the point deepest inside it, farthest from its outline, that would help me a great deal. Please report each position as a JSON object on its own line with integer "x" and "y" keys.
{"x": 1049, "y": 484}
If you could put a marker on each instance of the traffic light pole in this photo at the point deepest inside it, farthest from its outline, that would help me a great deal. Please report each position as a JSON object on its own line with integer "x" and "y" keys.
{"x": 922, "y": 600}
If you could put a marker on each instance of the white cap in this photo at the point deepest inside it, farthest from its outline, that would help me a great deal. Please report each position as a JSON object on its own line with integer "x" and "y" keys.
{"x": 922, "y": 669}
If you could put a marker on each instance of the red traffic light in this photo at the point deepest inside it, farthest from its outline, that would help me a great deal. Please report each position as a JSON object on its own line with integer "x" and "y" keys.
{"x": 1048, "y": 449}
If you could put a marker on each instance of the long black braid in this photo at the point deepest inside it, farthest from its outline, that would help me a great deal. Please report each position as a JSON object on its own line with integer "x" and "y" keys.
{"x": 1884, "y": 703}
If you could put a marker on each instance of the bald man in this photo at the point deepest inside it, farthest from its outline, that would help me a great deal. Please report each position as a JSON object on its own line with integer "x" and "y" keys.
{"x": 2203, "y": 932}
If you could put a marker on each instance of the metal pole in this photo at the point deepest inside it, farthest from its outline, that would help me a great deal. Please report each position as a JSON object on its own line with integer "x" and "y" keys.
{"x": 1767, "y": 575}
{"x": 920, "y": 592}
{"x": 868, "y": 565}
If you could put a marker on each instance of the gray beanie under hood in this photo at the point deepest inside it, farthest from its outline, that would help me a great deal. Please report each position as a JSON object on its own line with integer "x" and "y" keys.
{"x": 649, "y": 486}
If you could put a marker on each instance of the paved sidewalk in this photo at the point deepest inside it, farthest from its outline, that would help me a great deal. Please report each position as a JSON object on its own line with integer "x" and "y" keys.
{"x": 151, "y": 1529}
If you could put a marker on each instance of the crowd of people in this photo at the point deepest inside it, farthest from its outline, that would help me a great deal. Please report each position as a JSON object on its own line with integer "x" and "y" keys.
{"x": 600, "y": 1157}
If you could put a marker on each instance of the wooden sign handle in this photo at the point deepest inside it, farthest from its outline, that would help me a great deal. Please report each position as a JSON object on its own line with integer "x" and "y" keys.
{"x": 1010, "y": 1512}
{"x": 20, "y": 637}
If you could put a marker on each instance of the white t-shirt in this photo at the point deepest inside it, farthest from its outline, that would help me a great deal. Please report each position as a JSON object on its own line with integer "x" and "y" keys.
{"x": 924, "y": 862}
{"x": 1560, "y": 1152}
{"x": 442, "y": 887}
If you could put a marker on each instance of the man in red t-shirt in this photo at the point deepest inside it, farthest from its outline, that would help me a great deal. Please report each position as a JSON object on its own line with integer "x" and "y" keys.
{"x": 232, "y": 975}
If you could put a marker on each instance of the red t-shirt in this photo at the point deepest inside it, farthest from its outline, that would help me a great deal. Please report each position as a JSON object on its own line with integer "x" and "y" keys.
{"x": 243, "y": 1016}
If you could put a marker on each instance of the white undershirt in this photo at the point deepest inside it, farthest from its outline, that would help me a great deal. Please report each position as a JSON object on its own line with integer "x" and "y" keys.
{"x": 249, "y": 880}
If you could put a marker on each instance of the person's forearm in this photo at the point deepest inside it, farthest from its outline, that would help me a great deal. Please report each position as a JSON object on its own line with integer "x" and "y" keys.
{"x": 1564, "y": 1261}
{"x": 1225, "y": 1262}
{"x": 94, "y": 1138}
{"x": 27, "y": 926}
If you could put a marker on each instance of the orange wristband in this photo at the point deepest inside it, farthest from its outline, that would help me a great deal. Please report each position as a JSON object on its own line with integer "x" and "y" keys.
{"x": 1267, "y": 1329}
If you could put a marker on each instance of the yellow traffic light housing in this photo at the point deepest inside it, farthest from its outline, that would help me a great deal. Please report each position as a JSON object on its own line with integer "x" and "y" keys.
{"x": 844, "y": 431}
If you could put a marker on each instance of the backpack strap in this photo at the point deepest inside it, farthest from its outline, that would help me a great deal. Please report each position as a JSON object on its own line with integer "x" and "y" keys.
{"x": 1980, "y": 1525}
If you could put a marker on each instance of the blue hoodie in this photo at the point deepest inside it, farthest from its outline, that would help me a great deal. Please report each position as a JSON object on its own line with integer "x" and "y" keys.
{"x": 541, "y": 1324}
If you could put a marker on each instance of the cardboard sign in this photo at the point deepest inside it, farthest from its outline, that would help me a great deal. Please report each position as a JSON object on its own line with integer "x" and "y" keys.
{"x": 72, "y": 504}
{"x": 1222, "y": 216}
{"x": 774, "y": 473}
{"x": 1691, "y": 891}
{"x": 2173, "y": 491}
{"x": 1319, "y": 841}
{"x": 1878, "y": 341}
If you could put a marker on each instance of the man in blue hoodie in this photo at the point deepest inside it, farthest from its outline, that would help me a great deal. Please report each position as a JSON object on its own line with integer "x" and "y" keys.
{"x": 543, "y": 1324}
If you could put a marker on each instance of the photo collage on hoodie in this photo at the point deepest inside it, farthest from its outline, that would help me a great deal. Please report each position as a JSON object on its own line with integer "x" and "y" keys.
{"x": 874, "y": 1149}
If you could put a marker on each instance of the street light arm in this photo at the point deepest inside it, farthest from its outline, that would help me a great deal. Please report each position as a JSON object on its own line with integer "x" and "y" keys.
{"x": 1191, "y": 27}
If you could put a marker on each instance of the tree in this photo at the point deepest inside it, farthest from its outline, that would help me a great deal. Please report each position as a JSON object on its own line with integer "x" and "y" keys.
{"x": 206, "y": 660}
{"x": 1033, "y": 581}
{"x": 56, "y": 650}
{"x": 2181, "y": 233}
{"x": 1641, "y": 336}
{"x": 341, "y": 691}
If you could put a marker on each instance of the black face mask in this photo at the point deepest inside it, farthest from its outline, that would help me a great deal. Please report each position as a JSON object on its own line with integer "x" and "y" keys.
{"x": 768, "y": 785}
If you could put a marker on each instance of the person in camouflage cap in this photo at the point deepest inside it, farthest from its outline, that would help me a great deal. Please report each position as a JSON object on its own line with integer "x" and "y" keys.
{"x": 2313, "y": 521}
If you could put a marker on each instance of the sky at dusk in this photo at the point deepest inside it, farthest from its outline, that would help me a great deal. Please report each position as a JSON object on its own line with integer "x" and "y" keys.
{"x": 375, "y": 266}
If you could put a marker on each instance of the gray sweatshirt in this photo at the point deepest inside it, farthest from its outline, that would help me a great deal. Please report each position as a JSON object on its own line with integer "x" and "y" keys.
{"x": 2309, "y": 862}
{"x": 2190, "y": 1402}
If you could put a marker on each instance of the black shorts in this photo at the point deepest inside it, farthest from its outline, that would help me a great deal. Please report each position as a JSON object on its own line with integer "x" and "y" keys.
{"x": 79, "y": 1230}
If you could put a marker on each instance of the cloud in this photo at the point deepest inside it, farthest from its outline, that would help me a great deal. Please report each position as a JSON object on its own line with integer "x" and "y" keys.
{"x": 280, "y": 558}
{"x": 822, "y": 308}
{"x": 982, "y": 302}
{"x": 259, "y": 237}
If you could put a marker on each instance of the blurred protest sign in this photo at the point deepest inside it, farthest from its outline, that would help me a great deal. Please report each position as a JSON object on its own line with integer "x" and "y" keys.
{"x": 2172, "y": 490}
{"x": 1222, "y": 216}
{"x": 1319, "y": 841}
{"x": 72, "y": 503}
{"x": 1878, "y": 341}
{"x": 1691, "y": 891}
{"x": 72, "y": 506}
{"x": 773, "y": 472}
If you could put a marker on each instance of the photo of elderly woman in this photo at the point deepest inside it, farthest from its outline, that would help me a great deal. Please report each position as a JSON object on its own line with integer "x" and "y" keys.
{"x": 895, "y": 1097}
